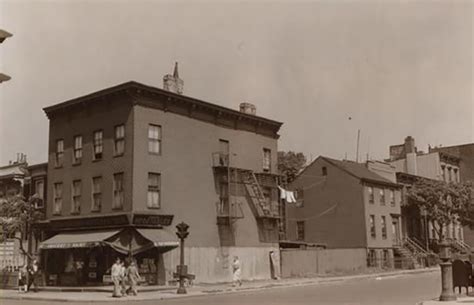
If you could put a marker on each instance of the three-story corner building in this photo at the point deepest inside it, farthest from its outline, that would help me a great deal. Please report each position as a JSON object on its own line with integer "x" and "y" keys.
{"x": 347, "y": 205}
{"x": 128, "y": 163}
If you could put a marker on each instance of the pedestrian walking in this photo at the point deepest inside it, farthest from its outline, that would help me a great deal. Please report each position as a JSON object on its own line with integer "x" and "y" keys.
{"x": 115, "y": 275}
{"x": 123, "y": 278}
{"x": 133, "y": 277}
{"x": 22, "y": 284}
{"x": 33, "y": 273}
{"x": 236, "y": 272}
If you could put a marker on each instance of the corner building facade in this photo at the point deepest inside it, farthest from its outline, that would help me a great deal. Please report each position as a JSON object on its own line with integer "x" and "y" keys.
{"x": 138, "y": 159}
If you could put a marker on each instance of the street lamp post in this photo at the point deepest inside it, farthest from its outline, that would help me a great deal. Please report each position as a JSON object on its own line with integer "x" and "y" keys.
{"x": 447, "y": 293}
{"x": 182, "y": 268}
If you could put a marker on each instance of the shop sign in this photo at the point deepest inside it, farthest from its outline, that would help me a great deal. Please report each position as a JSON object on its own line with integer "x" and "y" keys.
{"x": 70, "y": 245}
{"x": 152, "y": 220}
{"x": 91, "y": 222}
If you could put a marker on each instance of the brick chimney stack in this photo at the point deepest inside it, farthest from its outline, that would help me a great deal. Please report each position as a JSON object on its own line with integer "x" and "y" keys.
{"x": 248, "y": 108}
{"x": 173, "y": 83}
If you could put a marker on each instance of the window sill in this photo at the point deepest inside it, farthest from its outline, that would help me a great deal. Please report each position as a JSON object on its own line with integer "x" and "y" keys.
{"x": 58, "y": 166}
{"x": 76, "y": 163}
{"x": 96, "y": 160}
{"x": 96, "y": 211}
{"x": 154, "y": 153}
{"x": 75, "y": 213}
{"x": 117, "y": 209}
{"x": 153, "y": 208}
{"x": 118, "y": 155}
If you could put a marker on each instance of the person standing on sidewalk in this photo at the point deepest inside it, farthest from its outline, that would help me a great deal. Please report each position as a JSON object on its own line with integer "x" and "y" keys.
{"x": 236, "y": 272}
{"x": 133, "y": 277}
{"x": 123, "y": 277}
{"x": 115, "y": 275}
{"x": 33, "y": 273}
{"x": 22, "y": 284}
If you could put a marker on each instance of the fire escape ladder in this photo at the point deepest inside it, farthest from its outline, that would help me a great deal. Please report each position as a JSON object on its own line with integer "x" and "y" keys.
{"x": 256, "y": 195}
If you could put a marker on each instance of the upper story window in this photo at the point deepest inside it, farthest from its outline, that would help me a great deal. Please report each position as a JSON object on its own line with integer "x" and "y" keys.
{"x": 371, "y": 194}
{"x": 300, "y": 230}
{"x": 39, "y": 192}
{"x": 324, "y": 171}
{"x": 119, "y": 143}
{"x": 98, "y": 145}
{"x": 76, "y": 197}
{"x": 154, "y": 190}
{"x": 267, "y": 160}
{"x": 154, "y": 139}
{"x": 383, "y": 222}
{"x": 77, "y": 155}
{"x": 443, "y": 172}
{"x": 57, "y": 198}
{"x": 59, "y": 157}
{"x": 456, "y": 175}
{"x": 392, "y": 197}
{"x": 382, "y": 196}
{"x": 299, "y": 196}
{"x": 450, "y": 174}
{"x": 96, "y": 194}
{"x": 118, "y": 191}
{"x": 373, "y": 233}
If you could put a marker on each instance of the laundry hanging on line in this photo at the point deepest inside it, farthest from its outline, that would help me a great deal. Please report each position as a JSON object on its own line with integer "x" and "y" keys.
{"x": 289, "y": 196}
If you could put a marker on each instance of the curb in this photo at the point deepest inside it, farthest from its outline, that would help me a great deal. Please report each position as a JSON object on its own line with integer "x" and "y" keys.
{"x": 219, "y": 291}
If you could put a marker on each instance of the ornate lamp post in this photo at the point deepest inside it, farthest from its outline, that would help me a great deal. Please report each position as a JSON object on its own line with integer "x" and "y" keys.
{"x": 182, "y": 269}
{"x": 447, "y": 293}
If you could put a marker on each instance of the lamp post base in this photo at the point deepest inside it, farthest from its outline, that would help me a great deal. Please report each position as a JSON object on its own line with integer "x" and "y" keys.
{"x": 447, "y": 293}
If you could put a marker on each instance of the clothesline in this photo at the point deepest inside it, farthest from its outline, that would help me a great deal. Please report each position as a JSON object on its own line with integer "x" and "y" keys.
{"x": 315, "y": 216}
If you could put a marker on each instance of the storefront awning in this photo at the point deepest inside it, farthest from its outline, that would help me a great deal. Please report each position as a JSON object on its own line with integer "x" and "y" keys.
{"x": 160, "y": 238}
{"x": 83, "y": 239}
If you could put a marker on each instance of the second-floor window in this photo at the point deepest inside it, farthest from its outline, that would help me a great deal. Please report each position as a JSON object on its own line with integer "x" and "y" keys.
{"x": 77, "y": 155}
{"x": 39, "y": 192}
{"x": 371, "y": 194}
{"x": 57, "y": 198}
{"x": 382, "y": 196}
{"x": 76, "y": 197}
{"x": 98, "y": 145}
{"x": 392, "y": 197}
{"x": 383, "y": 222}
{"x": 59, "y": 158}
{"x": 119, "y": 144}
{"x": 118, "y": 192}
{"x": 96, "y": 194}
{"x": 154, "y": 139}
{"x": 300, "y": 230}
{"x": 267, "y": 160}
{"x": 154, "y": 190}
{"x": 373, "y": 234}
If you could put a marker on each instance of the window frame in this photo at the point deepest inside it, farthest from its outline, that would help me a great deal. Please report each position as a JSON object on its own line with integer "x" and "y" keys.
{"x": 76, "y": 160}
{"x": 300, "y": 230}
{"x": 119, "y": 139}
{"x": 155, "y": 140}
{"x": 59, "y": 154}
{"x": 370, "y": 191}
{"x": 57, "y": 198}
{"x": 116, "y": 191}
{"x": 94, "y": 193}
{"x": 373, "y": 231}
{"x": 383, "y": 223}
{"x": 39, "y": 204}
{"x": 392, "y": 198}
{"x": 267, "y": 160}
{"x": 96, "y": 143}
{"x": 76, "y": 206}
{"x": 382, "y": 198}
{"x": 154, "y": 188}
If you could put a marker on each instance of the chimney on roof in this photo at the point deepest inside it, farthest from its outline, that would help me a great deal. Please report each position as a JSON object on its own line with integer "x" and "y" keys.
{"x": 173, "y": 83}
{"x": 410, "y": 145}
{"x": 248, "y": 108}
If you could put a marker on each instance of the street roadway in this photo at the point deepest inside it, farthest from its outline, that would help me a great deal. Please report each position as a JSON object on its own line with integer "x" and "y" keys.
{"x": 401, "y": 290}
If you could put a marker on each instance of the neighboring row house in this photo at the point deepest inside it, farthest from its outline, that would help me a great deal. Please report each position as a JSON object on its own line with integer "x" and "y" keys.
{"x": 128, "y": 163}
{"x": 20, "y": 179}
{"x": 348, "y": 205}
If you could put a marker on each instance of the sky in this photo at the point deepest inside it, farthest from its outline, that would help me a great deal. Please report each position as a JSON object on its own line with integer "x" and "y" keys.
{"x": 326, "y": 69}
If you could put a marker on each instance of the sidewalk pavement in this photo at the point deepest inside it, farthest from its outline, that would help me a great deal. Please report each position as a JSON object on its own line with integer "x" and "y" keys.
{"x": 160, "y": 293}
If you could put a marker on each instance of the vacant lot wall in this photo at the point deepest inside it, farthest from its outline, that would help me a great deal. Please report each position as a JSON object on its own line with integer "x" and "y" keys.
{"x": 301, "y": 263}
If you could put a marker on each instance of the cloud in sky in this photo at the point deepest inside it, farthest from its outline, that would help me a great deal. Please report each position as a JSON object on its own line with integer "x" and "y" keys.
{"x": 396, "y": 68}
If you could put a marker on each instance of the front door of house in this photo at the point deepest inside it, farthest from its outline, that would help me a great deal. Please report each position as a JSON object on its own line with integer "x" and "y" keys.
{"x": 396, "y": 231}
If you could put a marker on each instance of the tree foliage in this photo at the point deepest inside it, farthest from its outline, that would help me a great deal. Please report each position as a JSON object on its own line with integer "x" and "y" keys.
{"x": 17, "y": 217}
{"x": 443, "y": 202}
{"x": 290, "y": 163}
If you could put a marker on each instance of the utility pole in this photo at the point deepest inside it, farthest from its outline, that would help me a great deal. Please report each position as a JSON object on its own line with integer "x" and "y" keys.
{"x": 357, "y": 149}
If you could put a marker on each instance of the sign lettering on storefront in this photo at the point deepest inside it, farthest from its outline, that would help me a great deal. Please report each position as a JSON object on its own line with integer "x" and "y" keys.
{"x": 91, "y": 222}
{"x": 152, "y": 220}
